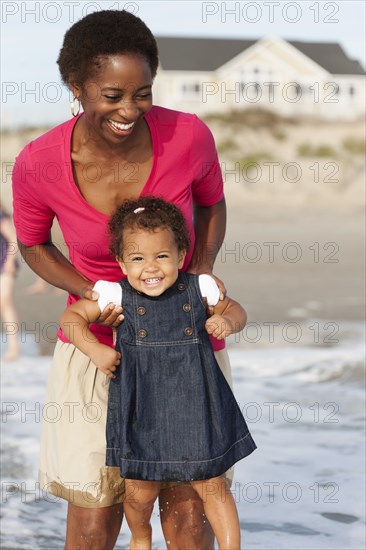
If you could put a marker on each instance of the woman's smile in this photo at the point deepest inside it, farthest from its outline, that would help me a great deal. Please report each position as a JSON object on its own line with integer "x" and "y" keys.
{"x": 116, "y": 98}
{"x": 120, "y": 128}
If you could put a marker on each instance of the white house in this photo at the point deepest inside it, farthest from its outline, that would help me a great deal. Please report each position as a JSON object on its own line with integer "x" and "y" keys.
{"x": 206, "y": 75}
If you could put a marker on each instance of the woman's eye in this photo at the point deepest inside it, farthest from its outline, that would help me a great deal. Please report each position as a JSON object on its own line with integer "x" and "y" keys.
{"x": 144, "y": 96}
{"x": 113, "y": 97}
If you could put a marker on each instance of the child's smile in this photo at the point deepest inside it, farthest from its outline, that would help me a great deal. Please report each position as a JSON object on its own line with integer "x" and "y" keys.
{"x": 151, "y": 259}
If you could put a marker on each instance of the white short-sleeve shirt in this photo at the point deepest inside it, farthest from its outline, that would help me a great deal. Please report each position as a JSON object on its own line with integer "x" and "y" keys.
{"x": 112, "y": 292}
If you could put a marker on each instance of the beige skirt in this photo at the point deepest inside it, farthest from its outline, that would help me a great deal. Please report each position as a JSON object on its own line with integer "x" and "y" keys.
{"x": 73, "y": 442}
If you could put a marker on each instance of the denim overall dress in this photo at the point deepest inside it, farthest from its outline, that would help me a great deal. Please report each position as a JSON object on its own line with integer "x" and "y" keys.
{"x": 171, "y": 414}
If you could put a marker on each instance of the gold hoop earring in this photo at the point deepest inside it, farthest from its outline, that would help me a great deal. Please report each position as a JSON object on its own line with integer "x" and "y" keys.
{"x": 72, "y": 106}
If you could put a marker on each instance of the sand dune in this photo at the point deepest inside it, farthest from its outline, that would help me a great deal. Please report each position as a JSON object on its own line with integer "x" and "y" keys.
{"x": 294, "y": 247}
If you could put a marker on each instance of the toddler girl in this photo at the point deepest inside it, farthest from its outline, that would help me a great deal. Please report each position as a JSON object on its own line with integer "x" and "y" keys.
{"x": 171, "y": 414}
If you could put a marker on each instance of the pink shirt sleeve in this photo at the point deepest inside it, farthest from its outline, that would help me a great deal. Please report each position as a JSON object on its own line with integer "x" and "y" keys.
{"x": 207, "y": 188}
{"x": 32, "y": 217}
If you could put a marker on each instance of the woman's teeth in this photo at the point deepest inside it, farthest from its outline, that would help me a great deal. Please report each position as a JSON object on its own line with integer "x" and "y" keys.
{"x": 120, "y": 126}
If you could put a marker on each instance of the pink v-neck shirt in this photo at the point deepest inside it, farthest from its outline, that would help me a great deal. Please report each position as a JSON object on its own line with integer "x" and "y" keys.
{"x": 185, "y": 170}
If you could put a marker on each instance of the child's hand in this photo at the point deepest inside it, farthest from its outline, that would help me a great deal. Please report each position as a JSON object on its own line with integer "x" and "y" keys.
{"x": 219, "y": 326}
{"x": 106, "y": 359}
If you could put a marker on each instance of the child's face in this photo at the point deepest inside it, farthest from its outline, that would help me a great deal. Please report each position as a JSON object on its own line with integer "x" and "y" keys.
{"x": 151, "y": 260}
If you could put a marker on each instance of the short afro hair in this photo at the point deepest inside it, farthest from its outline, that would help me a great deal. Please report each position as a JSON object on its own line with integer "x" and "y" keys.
{"x": 155, "y": 213}
{"x": 101, "y": 34}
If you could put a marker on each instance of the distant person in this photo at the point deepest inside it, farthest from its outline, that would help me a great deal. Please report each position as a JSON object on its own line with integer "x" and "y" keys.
{"x": 171, "y": 414}
{"x": 121, "y": 146}
{"x": 9, "y": 269}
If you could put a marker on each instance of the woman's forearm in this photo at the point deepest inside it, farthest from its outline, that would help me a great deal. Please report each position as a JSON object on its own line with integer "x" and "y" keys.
{"x": 50, "y": 264}
{"x": 210, "y": 226}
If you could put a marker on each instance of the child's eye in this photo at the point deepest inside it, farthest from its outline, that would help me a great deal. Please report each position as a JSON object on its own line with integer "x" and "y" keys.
{"x": 137, "y": 259}
{"x": 163, "y": 256}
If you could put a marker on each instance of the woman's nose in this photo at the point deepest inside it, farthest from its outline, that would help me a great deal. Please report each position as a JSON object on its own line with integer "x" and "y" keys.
{"x": 128, "y": 110}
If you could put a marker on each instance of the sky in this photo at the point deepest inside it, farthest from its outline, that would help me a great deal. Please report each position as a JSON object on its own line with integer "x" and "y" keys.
{"x": 32, "y": 35}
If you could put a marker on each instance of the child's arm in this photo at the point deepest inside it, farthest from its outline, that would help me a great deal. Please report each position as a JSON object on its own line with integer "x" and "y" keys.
{"x": 75, "y": 322}
{"x": 228, "y": 317}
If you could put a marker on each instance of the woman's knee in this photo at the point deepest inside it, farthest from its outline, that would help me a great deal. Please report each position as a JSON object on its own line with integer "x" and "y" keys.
{"x": 93, "y": 528}
{"x": 183, "y": 520}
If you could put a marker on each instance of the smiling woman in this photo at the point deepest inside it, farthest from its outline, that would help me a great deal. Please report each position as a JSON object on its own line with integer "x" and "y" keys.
{"x": 121, "y": 146}
{"x": 114, "y": 105}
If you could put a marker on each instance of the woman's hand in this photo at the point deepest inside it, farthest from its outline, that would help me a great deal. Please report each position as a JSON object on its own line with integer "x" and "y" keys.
{"x": 218, "y": 281}
{"x": 111, "y": 316}
{"x": 220, "y": 284}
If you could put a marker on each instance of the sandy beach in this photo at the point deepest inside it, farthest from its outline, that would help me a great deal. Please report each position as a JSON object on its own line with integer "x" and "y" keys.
{"x": 294, "y": 247}
{"x": 294, "y": 256}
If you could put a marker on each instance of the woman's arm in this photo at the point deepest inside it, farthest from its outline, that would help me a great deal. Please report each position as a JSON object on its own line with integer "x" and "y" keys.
{"x": 210, "y": 226}
{"x": 49, "y": 263}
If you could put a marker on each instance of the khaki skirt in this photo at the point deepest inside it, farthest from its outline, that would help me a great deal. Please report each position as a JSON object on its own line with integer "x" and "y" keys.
{"x": 73, "y": 442}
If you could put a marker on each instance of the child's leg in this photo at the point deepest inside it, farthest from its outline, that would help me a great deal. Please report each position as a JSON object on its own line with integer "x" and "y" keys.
{"x": 138, "y": 507}
{"x": 220, "y": 509}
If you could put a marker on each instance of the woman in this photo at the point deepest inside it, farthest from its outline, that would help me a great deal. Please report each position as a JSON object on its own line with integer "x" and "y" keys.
{"x": 120, "y": 147}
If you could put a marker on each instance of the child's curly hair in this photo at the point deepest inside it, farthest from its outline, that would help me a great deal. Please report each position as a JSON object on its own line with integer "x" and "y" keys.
{"x": 155, "y": 213}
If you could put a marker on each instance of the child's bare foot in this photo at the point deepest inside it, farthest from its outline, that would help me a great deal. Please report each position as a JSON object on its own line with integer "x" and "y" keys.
{"x": 140, "y": 544}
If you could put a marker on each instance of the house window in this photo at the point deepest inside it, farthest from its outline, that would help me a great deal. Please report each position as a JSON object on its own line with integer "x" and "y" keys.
{"x": 191, "y": 88}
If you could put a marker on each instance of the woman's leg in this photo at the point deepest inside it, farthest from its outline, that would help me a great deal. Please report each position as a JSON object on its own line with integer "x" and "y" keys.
{"x": 183, "y": 519}
{"x": 138, "y": 507}
{"x": 9, "y": 315}
{"x": 220, "y": 510}
{"x": 93, "y": 528}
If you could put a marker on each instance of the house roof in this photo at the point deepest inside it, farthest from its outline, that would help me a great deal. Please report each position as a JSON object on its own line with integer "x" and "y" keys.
{"x": 208, "y": 54}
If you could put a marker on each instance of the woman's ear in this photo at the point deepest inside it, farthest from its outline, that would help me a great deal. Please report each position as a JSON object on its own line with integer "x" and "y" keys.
{"x": 75, "y": 89}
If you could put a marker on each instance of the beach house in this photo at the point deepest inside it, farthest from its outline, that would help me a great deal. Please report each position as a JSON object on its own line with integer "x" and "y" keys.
{"x": 209, "y": 75}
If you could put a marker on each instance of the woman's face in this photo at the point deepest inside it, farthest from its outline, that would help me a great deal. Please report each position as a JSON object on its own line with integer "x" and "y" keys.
{"x": 117, "y": 97}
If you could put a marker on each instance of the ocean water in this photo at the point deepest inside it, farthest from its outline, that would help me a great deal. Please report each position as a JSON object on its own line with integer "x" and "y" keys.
{"x": 303, "y": 488}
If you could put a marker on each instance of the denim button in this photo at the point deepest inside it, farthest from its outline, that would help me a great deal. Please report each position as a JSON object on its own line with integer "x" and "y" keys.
{"x": 181, "y": 286}
{"x": 186, "y": 308}
{"x": 142, "y": 333}
{"x": 141, "y": 310}
{"x": 188, "y": 331}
